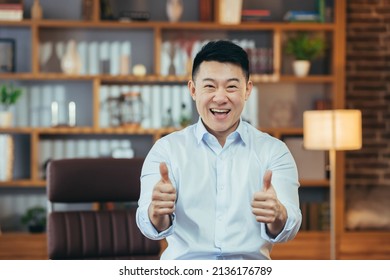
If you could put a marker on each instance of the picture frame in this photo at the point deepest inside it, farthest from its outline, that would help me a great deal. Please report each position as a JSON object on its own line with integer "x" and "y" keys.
{"x": 311, "y": 164}
{"x": 7, "y": 55}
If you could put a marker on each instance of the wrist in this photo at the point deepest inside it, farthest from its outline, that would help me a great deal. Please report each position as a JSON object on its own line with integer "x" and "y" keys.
{"x": 276, "y": 227}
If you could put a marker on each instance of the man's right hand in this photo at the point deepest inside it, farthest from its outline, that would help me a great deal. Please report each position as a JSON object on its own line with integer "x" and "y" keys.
{"x": 163, "y": 201}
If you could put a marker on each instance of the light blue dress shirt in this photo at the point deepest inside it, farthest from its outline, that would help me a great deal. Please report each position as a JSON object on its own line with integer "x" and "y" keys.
{"x": 213, "y": 218}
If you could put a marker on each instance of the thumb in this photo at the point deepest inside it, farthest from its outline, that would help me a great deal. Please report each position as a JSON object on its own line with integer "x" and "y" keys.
{"x": 267, "y": 180}
{"x": 164, "y": 172}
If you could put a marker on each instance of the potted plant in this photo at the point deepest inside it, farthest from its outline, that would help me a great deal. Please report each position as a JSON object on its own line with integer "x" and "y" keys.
{"x": 8, "y": 97}
{"x": 304, "y": 47}
{"x": 35, "y": 219}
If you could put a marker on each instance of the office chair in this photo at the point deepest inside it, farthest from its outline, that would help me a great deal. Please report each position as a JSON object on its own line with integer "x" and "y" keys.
{"x": 96, "y": 234}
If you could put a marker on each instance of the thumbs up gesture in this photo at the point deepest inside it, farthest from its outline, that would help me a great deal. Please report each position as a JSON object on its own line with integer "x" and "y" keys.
{"x": 163, "y": 201}
{"x": 267, "y": 208}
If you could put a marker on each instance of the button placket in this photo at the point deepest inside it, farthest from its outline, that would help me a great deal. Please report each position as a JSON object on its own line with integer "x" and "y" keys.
{"x": 221, "y": 200}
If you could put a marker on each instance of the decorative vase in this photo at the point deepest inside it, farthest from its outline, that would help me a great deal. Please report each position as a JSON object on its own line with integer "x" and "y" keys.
{"x": 301, "y": 68}
{"x": 71, "y": 62}
{"x": 174, "y": 10}
{"x": 5, "y": 119}
{"x": 53, "y": 63}
{"x": 36, "y": 10}
{"x": 229, "y": 11}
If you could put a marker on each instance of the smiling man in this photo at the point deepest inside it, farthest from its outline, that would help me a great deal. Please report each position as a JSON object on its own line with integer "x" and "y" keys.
{"x": 219, "y": 189}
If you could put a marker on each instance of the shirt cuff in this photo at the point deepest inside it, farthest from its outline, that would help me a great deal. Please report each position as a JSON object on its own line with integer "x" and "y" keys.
{"x": 147, "y": 228}
{"x": 288, "y": 232}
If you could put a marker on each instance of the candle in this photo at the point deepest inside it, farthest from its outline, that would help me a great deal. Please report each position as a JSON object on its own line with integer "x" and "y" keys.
{"x": 72, "y": 113}
{"x": 54, "y": 113}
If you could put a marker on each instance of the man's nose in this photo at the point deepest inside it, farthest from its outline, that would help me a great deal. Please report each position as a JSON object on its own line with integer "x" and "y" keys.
{"x": 220, "y": 96}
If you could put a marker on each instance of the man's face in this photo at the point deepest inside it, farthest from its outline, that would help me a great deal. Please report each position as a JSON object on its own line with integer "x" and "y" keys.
{"x": 220, "y": 92}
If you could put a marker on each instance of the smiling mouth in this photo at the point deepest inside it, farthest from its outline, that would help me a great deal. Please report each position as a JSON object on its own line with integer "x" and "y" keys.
{"x": 219, "y": 111}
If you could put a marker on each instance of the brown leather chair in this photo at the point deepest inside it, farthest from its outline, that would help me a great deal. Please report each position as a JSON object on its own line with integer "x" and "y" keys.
{"x": 92, "y": 234}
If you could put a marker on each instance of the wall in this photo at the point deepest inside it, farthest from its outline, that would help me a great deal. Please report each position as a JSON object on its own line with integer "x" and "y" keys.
{"x": 368, "y": 89}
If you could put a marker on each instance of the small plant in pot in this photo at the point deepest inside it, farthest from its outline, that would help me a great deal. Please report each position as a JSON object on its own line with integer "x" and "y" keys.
{"x": 8, "y": 97}
{"x": 35, "y": 219}
{"x": 305, "y": 47}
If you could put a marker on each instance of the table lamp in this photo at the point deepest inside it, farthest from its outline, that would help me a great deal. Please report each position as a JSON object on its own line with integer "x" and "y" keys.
{"x": 332, "y": 130}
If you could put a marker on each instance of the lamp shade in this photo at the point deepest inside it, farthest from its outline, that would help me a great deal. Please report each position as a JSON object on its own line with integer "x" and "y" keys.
{"x": 332, "y": 129}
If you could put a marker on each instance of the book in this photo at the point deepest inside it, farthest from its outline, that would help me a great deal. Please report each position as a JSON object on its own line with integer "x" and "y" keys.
{"x": 146, "y": 92}
{"x": 206, "y": 10}
{"x": 306, "y": 16}
{"x": 255, "y": 15}
{"x": 82, "y": 49}
{"x": 11, "y": 11}
{"x": 115, "y": 58}
{"x": 93, "y": 58}
{"x": 321, "y": 5}
{"x": 314, "y": 216}
{"x": 45, "y": 154}
{"x": 6, "y": 157}
{"x": 12, "y": 15}
{"x": 304, "y": 210}
{"x": 311, "y": 164}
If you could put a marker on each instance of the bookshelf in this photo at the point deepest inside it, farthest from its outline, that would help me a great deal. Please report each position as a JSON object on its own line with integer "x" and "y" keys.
{"x": 325, "y": 81}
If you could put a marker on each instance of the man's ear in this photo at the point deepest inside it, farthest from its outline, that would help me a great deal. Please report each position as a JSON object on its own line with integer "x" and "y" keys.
{"x": 191, "y": 87}
{"x": 248, "y": 91}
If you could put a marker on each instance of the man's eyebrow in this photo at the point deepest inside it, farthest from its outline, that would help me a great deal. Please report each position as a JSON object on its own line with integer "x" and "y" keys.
{"x": 228, "y": 80}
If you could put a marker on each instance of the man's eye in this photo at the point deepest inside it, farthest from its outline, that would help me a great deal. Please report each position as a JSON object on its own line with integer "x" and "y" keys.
{"x": 232, "y": 87}
{"x": 208, "y": 86}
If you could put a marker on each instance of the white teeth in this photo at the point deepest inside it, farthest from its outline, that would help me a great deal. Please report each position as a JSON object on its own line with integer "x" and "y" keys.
{"x": 219, "y": 111}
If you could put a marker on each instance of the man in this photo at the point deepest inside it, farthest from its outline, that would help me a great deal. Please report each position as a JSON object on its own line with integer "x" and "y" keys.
{"x": 219, "y": 189}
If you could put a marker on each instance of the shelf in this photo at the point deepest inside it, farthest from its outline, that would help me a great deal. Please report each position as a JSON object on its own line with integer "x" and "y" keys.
{"x": 315, "y": 243}
{"x": 308, "y": 79}
{"x": 87, "y": 130}
{"x": 42, "y": 183}
{"x": 161, "y": 25}
{"x": 125, "y": 79}
{"x": 279, "y": 132}
{"x": 363, "y": 245}
{"x": 11, "y": 23}
{"x": 127, "y": 130}
{"x": 22, "y": 183}
{"x": 314, "y": 183}
{"x": 23, "y": 246}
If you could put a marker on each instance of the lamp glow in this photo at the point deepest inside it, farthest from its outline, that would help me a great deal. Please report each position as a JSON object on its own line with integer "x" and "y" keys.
{"x": 332, "y": 130}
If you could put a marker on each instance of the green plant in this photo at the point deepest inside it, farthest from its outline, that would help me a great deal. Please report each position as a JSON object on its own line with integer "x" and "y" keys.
{"x": 9, "y": 95}
{"x": 35, "y": 218}
{"x": 305, "y": 46}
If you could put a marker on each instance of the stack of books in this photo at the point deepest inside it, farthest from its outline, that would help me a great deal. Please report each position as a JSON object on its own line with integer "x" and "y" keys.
{"x": 11, "y": 11}
{"x": 323, "y": 13}
{"x": 315, "y": 215}
{"x": 255, "y": 15}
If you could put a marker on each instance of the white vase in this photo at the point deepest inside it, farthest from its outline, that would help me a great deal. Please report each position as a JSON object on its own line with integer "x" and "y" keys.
{"x": 229, "y": 11}
{"x": 174, "y": 10}
{"x": 5, "y": 119}
{"x": 71, "y": 62}
{"x": 301, "y": 68}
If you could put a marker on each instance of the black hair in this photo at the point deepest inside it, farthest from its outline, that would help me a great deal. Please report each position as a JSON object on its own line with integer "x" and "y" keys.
{"x": 222, "y": 51}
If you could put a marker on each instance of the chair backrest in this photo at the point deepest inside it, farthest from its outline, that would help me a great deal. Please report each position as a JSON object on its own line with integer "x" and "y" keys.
{"x": 106, "y": 234}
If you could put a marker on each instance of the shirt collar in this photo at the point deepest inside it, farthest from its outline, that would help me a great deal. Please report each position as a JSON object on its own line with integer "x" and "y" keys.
{"x": 241, "y": 131}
